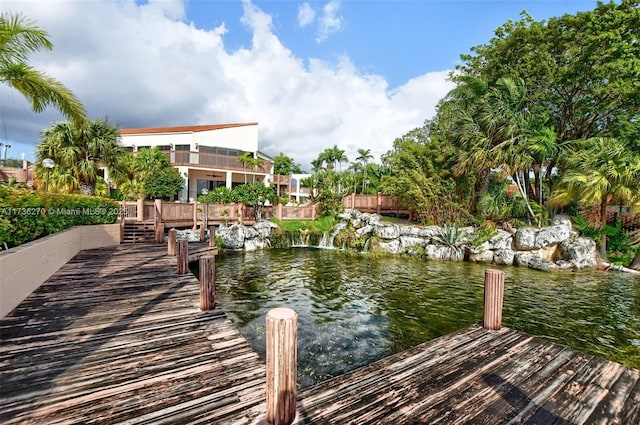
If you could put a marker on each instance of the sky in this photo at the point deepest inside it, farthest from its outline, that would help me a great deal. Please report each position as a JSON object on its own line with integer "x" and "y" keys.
{"x": 313, "y": 74}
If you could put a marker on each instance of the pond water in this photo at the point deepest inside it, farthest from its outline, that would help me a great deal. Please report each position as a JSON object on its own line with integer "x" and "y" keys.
{"x": 355, "y": 309}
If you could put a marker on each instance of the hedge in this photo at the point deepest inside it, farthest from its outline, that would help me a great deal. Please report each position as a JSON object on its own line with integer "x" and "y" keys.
{"x": 27, "y": 215}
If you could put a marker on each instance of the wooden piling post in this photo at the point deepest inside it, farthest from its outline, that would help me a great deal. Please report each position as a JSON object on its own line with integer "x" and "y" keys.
{"x": 159, "y": 228}
{"x": 493, "y": 296}
{"x": 212, "y": 236}
{"x": 201, "y": 236}
{"x": 171, "y": 245}
{"x": 207, "y": 282}
{"x": 183, "y": 256}
{"x": 282, "y": 342}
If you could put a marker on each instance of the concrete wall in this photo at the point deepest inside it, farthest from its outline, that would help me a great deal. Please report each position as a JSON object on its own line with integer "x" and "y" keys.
{"x": 24, "y": 268}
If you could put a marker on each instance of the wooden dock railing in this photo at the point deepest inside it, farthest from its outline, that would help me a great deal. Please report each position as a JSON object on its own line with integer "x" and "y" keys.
{"x": 194, "y": 213}
{"x": 378, "y": 204}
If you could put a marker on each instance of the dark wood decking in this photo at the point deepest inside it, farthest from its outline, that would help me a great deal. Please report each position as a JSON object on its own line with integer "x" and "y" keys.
{"x": 476, "y": 376}
{"x": 115, "y": 336}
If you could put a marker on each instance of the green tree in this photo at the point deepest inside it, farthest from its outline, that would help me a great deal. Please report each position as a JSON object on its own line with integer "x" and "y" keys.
{"x": 163, "y": 183}
{"x": 19, "y": 38}
{"x": 421, "y": 165}
{"x": 284, "y": 165}
{"x": 12, "y": 163}
{"x": 582, "y": 70}
{"x": 245, "y": 160}
{"x": 600, "y": 171}
{"x": 256, "y": 195}
{"x": 364, "y": 155}
{"x": 149, "y": 162}
{"x": 78, "y": 153}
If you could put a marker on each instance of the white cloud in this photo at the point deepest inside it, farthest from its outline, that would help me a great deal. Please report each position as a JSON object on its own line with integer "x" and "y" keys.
{"x": 330, "y": 21}
{"x": 145, "y": 67}
{"x": 306, "y": 15}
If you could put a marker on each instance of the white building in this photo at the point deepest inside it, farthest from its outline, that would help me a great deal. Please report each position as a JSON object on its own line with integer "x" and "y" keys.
{"x": 205, "y": 155}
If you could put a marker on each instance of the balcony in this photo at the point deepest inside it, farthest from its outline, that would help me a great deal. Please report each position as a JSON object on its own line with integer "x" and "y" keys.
{"x": 212, "y": 160}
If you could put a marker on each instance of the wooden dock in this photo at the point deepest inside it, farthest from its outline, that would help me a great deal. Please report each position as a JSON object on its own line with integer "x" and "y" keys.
{"x": 116, "y": 337}
{"x": 476, "y": 376}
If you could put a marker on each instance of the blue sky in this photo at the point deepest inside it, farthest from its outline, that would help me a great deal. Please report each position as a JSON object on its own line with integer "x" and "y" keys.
{"x": 397, "y": 39}
{"x": 356, "y": 74}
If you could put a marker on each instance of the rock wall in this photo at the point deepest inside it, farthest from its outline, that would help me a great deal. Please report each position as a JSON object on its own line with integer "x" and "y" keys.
{"x": 557, "y": 247}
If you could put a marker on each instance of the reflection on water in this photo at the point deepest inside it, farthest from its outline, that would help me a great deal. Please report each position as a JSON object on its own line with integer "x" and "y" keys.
{"x": 353, "y": 310}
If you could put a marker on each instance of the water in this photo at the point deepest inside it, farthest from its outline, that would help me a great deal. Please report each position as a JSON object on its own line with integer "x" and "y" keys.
{"x": 353, "y": 310}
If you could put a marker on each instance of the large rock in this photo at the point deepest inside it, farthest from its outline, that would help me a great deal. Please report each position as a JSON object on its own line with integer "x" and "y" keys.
{"x": 392, "y": 247}
{"x": 250, "y": 233}
{"x": 364, "y": 230}
{"x": 264, "y": 228}
{"x": 551, "y": 235}
{"x": 504, "y": 257}
{"x": 447, "y": 253}
{"x": 525, "y": 239}
{"x": 389, "y": 231}
{"x": 502, "y": 240}
{"x": 412, "y": 244}
{"x": 533, "y": 260}
{"x": 254, "y": 244}
{"x": 481, "y": 254}
{"x": 232, "y": 236}
{"x": 581, "y": 252}
{"x": 562, "y": 220}
{"x": 422, "y": 232}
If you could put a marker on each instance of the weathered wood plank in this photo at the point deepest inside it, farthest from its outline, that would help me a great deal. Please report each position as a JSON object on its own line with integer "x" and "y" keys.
{"x": 116, "y": 336}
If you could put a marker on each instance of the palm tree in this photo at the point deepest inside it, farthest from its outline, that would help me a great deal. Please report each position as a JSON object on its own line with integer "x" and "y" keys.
{"x": 338, "y": 156}
{"x": 365, "y": 156}
{"x": 600, "y": 171}
{"x": 79, "y": 153}
{"x": 245, "y": 159}
{"x": 316, "y": 164}
{"x": 19, "y": 37}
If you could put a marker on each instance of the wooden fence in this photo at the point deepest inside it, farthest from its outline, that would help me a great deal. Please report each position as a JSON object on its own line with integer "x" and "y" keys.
{"x": 380, "y": 204}
{"x": 193, "y": 214}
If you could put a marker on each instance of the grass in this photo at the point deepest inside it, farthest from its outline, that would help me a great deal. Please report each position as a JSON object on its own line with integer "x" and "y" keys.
{"x": 321, "y": 225}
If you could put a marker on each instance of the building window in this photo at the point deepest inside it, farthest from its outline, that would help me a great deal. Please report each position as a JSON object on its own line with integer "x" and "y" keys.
{"x": 183, "y": 147}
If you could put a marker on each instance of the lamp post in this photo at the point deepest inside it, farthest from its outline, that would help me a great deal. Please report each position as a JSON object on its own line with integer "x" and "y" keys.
{"x": 48, "y": 164}
{"x": 4, "y": 153}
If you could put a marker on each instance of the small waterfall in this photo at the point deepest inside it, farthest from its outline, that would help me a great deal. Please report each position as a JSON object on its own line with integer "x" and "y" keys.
{"x": 301, "y": 239}
{"x": 327, "y": 240}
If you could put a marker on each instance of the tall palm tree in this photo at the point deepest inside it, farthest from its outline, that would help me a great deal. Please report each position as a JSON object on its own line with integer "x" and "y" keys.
{"x": 245, "y": 159}
{"x": 600, "y": 171}
{"x": 338, "y": 156}
{"x": 79, "y": 152}
{"x": 363, "y": 158}
{"x": 19, "y": 37}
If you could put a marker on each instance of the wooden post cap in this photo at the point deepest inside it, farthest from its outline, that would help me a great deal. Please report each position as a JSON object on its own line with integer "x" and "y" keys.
{"x": 282, "y": 313}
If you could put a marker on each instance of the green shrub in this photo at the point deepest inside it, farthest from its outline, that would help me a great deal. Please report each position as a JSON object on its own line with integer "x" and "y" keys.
{"x": 27, "y": 215}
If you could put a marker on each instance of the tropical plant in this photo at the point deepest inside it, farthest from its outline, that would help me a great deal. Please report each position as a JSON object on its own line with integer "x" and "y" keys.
{"x": 599, "y": 170}
{"x": 219, "y": 195}
{"x": 78, "y": 153}
{"x": 581, "y": 71}
{"x": 163, "y": 184}
{"x": 256, "y": 195}
{"x": 249, "y": 161}
{"x": 284, "y": 165}
{"x": 449, "y": 235}
{"x": 364, "y": 155}
{"x": 421, "y": 176}
{"x": 131, "y": 189}
{"x": 19, "y": 38}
